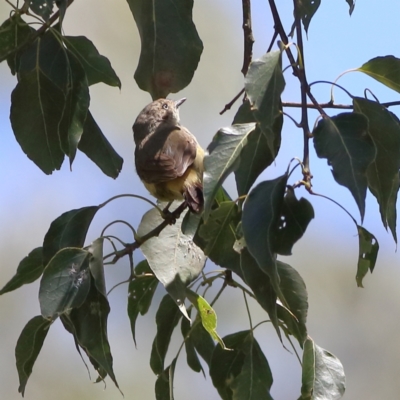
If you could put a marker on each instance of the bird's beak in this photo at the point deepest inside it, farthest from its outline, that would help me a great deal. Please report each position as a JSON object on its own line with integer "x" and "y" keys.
{"x": 179, "y": 102}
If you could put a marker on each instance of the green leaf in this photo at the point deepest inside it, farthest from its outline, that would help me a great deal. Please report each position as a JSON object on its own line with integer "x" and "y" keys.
{"x": 36, "y": 111}
{"x": 96, "y": 146}
{"x": 164, "y": 387}
{"x": 264, "y": 84}
{"x": 385, "y": 70}
{"x": 171, "y": 47}
{"x": 43, "y": 8}
{"x": 305, "y": 10}
{"x": 191, "y": 356}
{"x": 383, "y": 172}
{"x": 97, "y": 67}
{"x": 65, "y": 282}
{"x": 261, "y": 213}
{"x": 29, "y": 269}
{"x": 323, "y": 375}
{"x": 367, "y": 254}
{"x": 345, "y": 142}
{"x": 140, "y": 294}
{"x": 89, "y": 327}
{"x": 295, "y": 292}
{"x": 207, "y": 315}
{"x": 294, "y": 219}
{"x": 255, "y": 378}
{"x": 222, "y": 159}
{"x": 256, "y": 154}
{"x": 351, "y": 5}
{"x": 167, "y": 317}
{"x": 202, "y": 341}
{"x": 96, "y": 265}
{"x": 28, "y": 347}
{"x": 68, "y": 230}
{"x": 260, "y": 283}
{"x": 173, "y": 256}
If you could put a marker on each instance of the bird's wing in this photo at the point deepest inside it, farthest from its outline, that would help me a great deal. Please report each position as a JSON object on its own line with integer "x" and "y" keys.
{"x": 165, "y": 155}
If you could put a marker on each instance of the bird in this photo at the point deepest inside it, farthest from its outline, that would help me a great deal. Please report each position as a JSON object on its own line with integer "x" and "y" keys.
{"x": 168, "y": 158}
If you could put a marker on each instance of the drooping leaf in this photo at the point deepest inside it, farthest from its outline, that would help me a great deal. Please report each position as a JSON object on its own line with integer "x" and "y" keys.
{"x": 295, "y": 292}
{"x": 167, "y": 317}
{"x": 260, "y": 283}
{"x": 171, "y": 46}
{"x": 294, "y": 219}
{"x": 383, "y": 172}
{"x": 367, "y": 254}
{"x": 385, "y": 70}
{"x": 192, "y": 358}
{"x": 28, "y": 347}
{"x": 261, "y": 213}
{"x": 351, "y": 6}
{"x": 97, "y": 67}
{"x": 305, "y": 9}
{"x": 62, "y": 8}
{"x": 345, "y": 142}
{"x": 89, "y": 328}
{"x": 256, "y": 154}
{"x": 255, "y": 378}
{"x": 65, "y": 282}
{"x": 222, "y": 159}
{"x": 140, "y": 294}
{"x": 207, "y": 315}
{"x": 68, "y": 230}
{"x": 173, "y": 256}
{"x": 164, "y": 387}
{"x": 29, "y": 269}
{"x": 96, "y": 146}
{"x": 43, "y": 8}
{"x": 96, "y": 265}
{"x": 322, "y": 376}
{"x": 36, "y": 111}
{"x": 264, "y": 84}
{"x": 202, "y": 341}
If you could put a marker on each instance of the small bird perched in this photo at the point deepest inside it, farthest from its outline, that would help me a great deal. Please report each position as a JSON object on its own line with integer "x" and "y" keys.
{"x": 168, "y": 159}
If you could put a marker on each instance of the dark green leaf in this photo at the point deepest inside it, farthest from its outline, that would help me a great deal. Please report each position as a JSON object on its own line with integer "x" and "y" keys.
{"x": 167, "y": 317}
{"x": 295, "y": 292}
{"x": 260, "y": 283}
{"x": 171, "y": 47}
{"x": 36, "y": 111}
{"x": 351, "y": 5}
{"x": 29, "y": 269}
{"x": 323, "y": 375}
{"x": 68, "y": 230}
{"x": 97, "y": 67}
{"x": 96, "y": 265}
{"x": 305, "y": 9}
{"x": 383, "y": 172}
{"x": 294, "y": 219}
{"x": 62, "y": 7}
{"x": 191, "y": 355}
{"x": 264, "y": 84}
{"x": 256, "y": 154}
{"x": 164, "y": 387}
{"x": 385, "y": 70}
{"x": 140, "y": 294}
{"x": 255, "y": 378}
{"x": 367, "y": 254}
{"x": 222, "y": 159}
{"x": 65, "y": 282}
{"x": 345, "y": 142}
{"x": 89, "y": 327}
{"x": 96, "y": 146}
{"x": 261, "y": 213}
{"x": 28, "y": 347}
{"x": 202, "y": 341}
{"x": 43, "y": 8}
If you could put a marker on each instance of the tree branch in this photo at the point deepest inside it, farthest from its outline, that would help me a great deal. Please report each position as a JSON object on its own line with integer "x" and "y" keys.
{"x": 332, "y": 105}
{"x": 229, "y": 105}
{"x": 248, "y": 36}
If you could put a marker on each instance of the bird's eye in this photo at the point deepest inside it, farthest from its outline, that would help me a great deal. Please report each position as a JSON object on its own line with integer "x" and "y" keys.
{"x": 165, "y": 106}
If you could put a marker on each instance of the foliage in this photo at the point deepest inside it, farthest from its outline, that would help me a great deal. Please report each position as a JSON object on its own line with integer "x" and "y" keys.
{"x": 51, "y": 119}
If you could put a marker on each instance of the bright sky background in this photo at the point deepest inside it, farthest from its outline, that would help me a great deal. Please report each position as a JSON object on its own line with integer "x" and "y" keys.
{"x": 360, "y": 326}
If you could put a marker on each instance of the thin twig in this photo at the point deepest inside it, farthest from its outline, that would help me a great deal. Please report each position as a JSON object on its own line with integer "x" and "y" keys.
{"x": 338, "y": 106}
{"x": 232, "y": 102}
{"x": 248, "y": 36}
